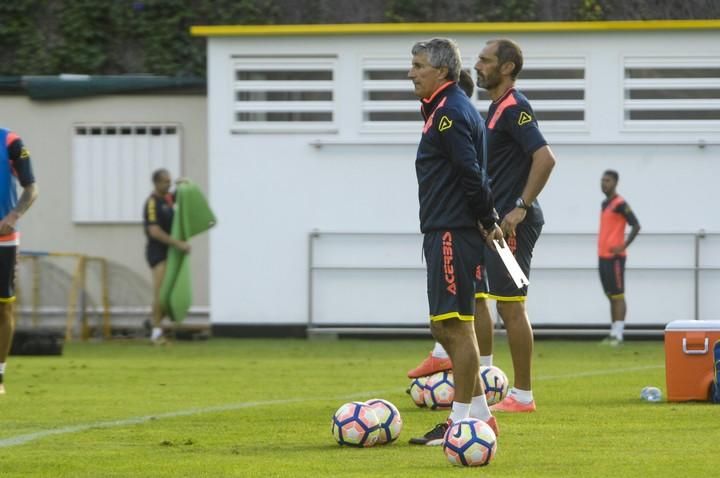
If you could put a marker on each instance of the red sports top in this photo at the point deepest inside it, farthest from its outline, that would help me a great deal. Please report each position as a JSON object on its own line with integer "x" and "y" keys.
{"x": 614, "y": 217}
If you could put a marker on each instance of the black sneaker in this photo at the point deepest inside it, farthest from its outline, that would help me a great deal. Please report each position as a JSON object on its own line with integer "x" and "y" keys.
{"x": 434, "y": 437}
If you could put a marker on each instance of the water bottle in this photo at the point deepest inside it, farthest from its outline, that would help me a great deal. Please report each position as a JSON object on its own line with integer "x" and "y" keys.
{"x": 651, "y": 394}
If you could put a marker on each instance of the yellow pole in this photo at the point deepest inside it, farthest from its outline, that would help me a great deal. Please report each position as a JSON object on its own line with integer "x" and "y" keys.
{"x": 107, "y": 330}
{"x": 83, "y": 301}
{"x": 73, "y": 298}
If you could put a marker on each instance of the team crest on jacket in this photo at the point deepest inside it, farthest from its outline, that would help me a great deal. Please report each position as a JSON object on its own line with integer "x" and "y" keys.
{"x": 445, "y": 123}
{"x": 524, "y": 118}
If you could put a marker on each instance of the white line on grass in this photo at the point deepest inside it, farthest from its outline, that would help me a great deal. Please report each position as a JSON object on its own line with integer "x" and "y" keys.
{"x": 28, "y": 437}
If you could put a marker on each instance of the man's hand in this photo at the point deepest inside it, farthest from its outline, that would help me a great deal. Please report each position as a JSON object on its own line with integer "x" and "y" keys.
{"x": 494, "y": 234}
{"x": 617, "y": 249}
{"x": 511, "y": 220}
{"x": 7, "y": 225}
{"x": 183, "y": 246}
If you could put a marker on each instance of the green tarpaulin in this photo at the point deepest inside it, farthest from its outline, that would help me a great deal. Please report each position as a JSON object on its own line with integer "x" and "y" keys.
{"x": 192, "y": 217}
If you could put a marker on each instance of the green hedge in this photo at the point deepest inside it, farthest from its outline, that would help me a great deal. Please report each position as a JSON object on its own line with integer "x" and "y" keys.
{"x": 115, "y": 37}
{"x": 105, "y": 37}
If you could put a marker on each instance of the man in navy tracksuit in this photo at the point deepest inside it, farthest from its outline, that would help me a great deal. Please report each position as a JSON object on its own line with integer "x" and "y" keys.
{"x": 456, "y": 214}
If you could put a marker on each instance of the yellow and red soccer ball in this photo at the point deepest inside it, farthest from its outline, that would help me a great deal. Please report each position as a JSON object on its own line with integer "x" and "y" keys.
{"x": 417, "y": 391}
{"x": 470, "y": 442}
{"x": 495, "y": 382}
{"x": 439, "y": 390}
{"x": 389, "y": 419}
{"x": 356, "y": 424}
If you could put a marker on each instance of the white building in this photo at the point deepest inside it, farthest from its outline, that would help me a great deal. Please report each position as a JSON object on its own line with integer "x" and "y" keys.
{"x": 312, "y": 132}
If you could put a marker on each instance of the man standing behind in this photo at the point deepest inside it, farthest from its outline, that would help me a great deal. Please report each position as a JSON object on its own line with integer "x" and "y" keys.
{"x": 456, "y": 212}
{"x": 14, "y": 163}
{"x": 519, "y": 164}
{"x": 615, "y": 215}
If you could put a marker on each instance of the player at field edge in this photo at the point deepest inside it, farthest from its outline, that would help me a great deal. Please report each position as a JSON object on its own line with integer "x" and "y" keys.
{"x": 519, "y": 164}
{"x": 457, "y": 216}
{"x": 158, "y": 215}
{"x": 16, "y": 166}
{"x": 615, "y": 215}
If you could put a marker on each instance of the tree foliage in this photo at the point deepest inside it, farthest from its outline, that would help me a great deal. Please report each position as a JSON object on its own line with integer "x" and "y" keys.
{"x": 115, "y": 36}
{"x": 153, "y": 36}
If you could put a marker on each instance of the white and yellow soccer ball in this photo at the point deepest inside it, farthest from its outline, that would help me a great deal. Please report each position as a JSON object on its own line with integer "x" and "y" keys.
{"x": 417, "y": 391}
{"x": 495, "y": 382}
{"x": 389, "y": 418}
{"x": 470, "y": 442}
{"x": 356, "y": 424}
{"x": 439, "y": 390}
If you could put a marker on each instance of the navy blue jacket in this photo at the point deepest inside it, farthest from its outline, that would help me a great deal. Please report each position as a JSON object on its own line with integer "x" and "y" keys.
{"x": 453, "y": 188}
{"x": 513, "y": 136}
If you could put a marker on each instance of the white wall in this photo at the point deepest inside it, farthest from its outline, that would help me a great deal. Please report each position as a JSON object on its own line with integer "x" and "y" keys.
{"x": 272, "y": 190}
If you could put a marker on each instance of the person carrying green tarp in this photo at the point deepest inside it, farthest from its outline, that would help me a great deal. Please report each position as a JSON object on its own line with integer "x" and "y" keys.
{"x": 193, "y": 217}
{"x": 170, "y": 220}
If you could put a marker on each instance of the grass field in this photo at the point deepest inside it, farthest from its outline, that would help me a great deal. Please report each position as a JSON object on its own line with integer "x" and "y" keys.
{"x": 263, "y": 407}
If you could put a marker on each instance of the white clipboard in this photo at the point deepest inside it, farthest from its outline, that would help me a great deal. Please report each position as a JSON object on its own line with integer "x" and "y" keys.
{"x": 518, "y": 276}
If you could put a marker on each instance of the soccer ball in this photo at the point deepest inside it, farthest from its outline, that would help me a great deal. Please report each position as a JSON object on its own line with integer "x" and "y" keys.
{"x": 495, "y": 382}
{"x": 417, "y": 391}
{"x": 355, "y": 424}
{"x": 439, "y": 390}
{"x": 389, "y": 419}
{"x": 470, "y": 442}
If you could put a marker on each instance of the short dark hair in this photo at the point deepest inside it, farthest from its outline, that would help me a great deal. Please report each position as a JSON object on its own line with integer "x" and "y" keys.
{"x": 466, "y": 83}
{"x": 157, "y": 173}
{"x": 509, "y": 51}
{"x": 612, "y": 173}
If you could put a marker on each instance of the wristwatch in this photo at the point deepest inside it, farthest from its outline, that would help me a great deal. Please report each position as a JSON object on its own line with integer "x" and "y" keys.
{"x": 520, "y": 203}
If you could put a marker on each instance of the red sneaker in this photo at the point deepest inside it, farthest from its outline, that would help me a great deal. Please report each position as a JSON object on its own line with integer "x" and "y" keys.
{"x": 493, "y": 424}
{"x": 511, "y": 405}
{"x": 430, "y": 366}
